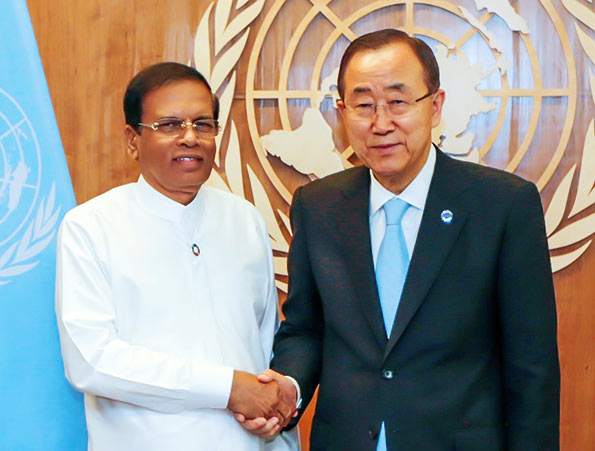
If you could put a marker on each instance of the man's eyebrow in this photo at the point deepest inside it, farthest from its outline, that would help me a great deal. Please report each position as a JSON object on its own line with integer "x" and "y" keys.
{"x": 361, "y": 90}
{"x": 396, "y": 87}
{"x": 198, "y": 118}
{"x": 391, "y": 87}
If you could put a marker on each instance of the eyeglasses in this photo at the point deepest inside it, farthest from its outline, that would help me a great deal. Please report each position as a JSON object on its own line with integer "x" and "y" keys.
{"x": 396, "y": 108}
{"x": 204, "y": 128}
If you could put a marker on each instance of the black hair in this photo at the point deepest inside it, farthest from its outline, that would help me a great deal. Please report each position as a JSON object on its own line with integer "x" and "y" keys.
{"x": 153, "y": 77}
{"x": 382, "y": 38}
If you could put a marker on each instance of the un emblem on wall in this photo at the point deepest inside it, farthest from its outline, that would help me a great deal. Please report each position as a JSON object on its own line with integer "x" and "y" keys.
{"x": 27, "y": 224}
{"x": 502, "y": 96}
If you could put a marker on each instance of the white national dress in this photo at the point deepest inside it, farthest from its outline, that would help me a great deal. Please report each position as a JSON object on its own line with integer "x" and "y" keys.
{"x": 150, "y": 332}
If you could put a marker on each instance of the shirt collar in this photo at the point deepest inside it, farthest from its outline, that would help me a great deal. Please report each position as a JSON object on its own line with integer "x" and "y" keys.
{"x": 160, "y": 205}
{"x": 415, "y": 194}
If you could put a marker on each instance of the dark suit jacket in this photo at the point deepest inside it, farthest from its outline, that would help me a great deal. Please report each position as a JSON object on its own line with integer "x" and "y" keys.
{"x": 472, "y": 361}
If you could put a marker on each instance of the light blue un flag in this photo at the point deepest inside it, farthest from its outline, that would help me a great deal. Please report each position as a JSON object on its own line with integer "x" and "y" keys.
{"x": 38, "y": 408}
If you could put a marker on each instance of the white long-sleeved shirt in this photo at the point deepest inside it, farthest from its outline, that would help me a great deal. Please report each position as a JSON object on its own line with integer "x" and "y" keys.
{"x": 415, "y": 194}
{"x": 150, "y": 332}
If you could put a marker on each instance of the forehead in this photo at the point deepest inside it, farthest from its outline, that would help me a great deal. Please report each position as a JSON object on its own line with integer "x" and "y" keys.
{"x": 179, "y": 98}
{"x": 391, "y": 67}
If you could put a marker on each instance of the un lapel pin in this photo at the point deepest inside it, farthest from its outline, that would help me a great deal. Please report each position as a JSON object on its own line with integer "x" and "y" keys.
{"x": 446, "y": 216}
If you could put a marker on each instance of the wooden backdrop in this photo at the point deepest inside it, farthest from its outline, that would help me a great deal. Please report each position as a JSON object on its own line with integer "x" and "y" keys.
{"x": 90, "y": 49}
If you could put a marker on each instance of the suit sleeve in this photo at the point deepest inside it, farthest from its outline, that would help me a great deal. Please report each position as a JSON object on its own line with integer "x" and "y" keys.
{"x": 298, "y": 344}
{"x": 528, "y": 328}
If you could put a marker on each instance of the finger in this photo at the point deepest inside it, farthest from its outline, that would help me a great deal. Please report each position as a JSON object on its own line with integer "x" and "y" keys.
{"x": 268, "y": 430}
{"x": 255, "y": 425}
{"x": 286, "y": 412}
{"x": 238, "y": 416}
{"x": 288, "y": 407}
{"x": 269, "y": 375}
{"x": 286, "y": 421}
{"x": 272, "y": 374}
{"x": 264, "y": 378}
{"x": 280, "y": 416}
{"x": 272, "y": 432}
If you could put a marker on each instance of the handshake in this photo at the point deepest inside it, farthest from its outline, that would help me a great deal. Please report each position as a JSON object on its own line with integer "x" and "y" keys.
{"x": 263, "y": 404}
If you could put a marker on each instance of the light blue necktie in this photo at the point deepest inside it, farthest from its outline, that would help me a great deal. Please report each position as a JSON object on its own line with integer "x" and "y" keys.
{"x": 391, "y": 270}
{"x": 392, "y": 262}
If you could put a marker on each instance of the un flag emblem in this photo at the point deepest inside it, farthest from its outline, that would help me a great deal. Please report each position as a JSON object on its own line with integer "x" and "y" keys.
{"x": 27, "y": 223}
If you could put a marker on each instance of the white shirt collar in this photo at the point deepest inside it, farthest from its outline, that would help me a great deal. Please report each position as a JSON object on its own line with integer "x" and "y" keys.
{"x": 160, "y": 205}
{"x": 415, "y": 194}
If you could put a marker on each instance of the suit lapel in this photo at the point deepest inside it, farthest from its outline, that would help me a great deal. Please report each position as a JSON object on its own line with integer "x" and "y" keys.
{"x": 434, "y": 241}
{"x": 354, "y": 230}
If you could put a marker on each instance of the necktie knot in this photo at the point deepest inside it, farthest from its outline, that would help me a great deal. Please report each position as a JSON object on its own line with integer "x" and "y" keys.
{"x": 394, "y": 210}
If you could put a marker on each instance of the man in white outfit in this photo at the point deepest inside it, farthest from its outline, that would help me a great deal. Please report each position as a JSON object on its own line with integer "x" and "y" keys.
{"x": 165, "y": 294}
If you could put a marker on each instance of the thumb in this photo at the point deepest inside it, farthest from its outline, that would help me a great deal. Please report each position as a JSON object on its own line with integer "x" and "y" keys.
{"x": 266, "y": 376}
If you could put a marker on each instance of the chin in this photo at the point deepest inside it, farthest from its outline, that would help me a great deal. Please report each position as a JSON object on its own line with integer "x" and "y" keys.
{"x": 193, "y": 180}
{"x": 391, "y": 170}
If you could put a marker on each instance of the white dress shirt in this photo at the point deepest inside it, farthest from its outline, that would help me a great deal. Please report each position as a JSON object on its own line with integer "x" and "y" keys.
{"x": 415, "y": 194}
{"x": 150, "y": 332}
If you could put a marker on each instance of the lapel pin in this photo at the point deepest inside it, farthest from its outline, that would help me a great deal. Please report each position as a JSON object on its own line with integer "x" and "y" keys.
{"x": 446, "y": 216}
{"x": 195, "y": 250}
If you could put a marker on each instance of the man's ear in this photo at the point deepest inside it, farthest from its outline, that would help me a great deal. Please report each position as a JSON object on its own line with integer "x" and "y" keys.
{"x": 132, "y": 138}
{"x": 437, "y": 104}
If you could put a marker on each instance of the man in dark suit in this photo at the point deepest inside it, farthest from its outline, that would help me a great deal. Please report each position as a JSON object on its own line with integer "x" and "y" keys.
{"x": 466, "y": 357}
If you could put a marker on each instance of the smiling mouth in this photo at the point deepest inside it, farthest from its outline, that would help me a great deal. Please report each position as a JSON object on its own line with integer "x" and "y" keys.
{"x": 384, "y": 146}
{"x": 188, "y": 159}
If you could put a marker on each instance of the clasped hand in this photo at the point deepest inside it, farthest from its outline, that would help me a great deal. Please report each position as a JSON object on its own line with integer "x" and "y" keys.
{"x": 263, "y": 404}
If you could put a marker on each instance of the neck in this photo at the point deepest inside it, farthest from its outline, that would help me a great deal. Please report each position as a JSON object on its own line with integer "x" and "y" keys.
{"x": 183, "y": 195}
{"x": 396, "y": 183}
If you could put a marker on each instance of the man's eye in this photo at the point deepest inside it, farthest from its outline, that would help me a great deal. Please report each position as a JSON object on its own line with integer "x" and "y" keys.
{"x": 169, "y": 125}
{"x": 396, "y": 102}
{"x": 204, "y": 126}
{"x": 365, "y": 106}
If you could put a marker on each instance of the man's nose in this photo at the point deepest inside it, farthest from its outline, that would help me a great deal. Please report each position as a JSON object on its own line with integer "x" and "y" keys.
{"x": 189, "y": 134}
{"x": 384, "y": 122}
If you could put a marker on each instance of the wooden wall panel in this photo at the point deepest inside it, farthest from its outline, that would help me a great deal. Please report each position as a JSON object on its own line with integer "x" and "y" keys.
{"x": 575, "y": 296}
{"x": 90, "y": 49}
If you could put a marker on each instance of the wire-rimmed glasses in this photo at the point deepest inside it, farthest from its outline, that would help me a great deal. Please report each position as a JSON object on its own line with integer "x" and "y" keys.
{"x": 396, "y": 108}
{"x": 204, "y": 128}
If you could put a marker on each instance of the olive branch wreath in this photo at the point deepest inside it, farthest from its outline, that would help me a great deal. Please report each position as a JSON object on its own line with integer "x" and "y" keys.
{"x": 39, "y": 233}
{"x": 228, "y": 55}
{"x": 217, "y": 35}
{"x": 577, "y": 231}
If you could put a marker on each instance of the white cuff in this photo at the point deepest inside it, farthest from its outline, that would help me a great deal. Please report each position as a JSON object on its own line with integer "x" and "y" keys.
{"x": 299, "y": 392}
{"x": 210, "y": 387}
